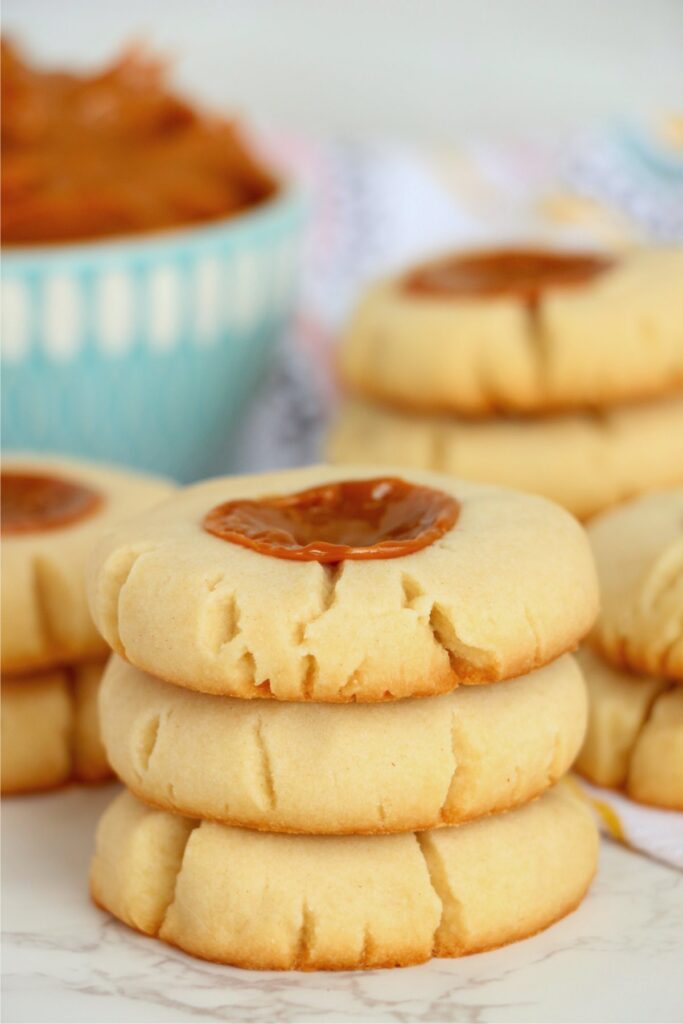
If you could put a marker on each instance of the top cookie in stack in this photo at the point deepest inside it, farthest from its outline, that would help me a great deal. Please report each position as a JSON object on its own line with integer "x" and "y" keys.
{"x": 257, "y": 831}
{"x": 500, "y": 584}
{"x": 550, "y": 371}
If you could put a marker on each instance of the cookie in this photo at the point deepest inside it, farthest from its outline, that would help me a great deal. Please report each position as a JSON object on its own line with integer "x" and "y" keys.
{"x": 274, "y": 902}
{"x": 505, "y": 588}
{"x": 523, "y": 331}
{"x": 584, "y": 461}
{"x": 50, "y": 730}
{"x": 634, "y": 739}
{"x": 639, "y": 554}
{"x": 327, "y": 768}
{"x": 52, "y": 511}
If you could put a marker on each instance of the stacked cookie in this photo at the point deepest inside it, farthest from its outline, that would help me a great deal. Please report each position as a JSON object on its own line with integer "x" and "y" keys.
{"x": 52, "y": 655}
{"x": 559, "y": 373}
{"x": 634, "y": 664}
{"x": 316, "y": 776}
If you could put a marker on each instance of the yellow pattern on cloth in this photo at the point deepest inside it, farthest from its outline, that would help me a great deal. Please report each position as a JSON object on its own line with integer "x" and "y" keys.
{"x": 654, "y": 832}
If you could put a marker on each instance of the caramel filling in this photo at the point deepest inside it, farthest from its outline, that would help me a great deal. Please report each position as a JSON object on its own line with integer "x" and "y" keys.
{"x": 32, "y": 502}
{"x": 522, "y": 274}
{"x": 383, "y": 517}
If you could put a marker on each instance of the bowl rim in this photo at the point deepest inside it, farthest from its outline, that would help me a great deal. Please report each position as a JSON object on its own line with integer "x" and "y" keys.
{"x": 287, "y": 200}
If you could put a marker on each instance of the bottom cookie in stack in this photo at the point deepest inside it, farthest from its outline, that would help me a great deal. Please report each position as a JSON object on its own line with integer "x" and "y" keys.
{"x": 268, "y": 901}
{"x": 50, "y": 730}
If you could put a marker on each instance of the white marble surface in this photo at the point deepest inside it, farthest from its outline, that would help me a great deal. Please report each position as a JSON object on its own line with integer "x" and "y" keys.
{"x": 618, "y": 958}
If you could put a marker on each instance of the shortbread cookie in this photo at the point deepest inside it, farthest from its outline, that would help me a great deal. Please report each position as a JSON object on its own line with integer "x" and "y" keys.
{"x": 634, "y": 739}
{"x": 50, "y": 730}
{"x": 639, "y": 554}
{"x": 326, "y": 768}
{"x": 274, "y": 902}
{"x": 506, "y": 587}
{"x": 521, "y": 331}
{"x": 52, "y": 511}
{"x": 585, "y": 461}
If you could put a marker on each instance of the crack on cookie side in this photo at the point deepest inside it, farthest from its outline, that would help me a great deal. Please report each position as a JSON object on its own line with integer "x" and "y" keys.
{"x": 667, "y": 652}
{"x": 41, "y": 588}
{"x": 330, "y": 576}
{"x": 540, "y": 344}
{"x": 645, "y": 721}
{"x": 71, "y": 738}
{"x": 267, "y": 779}
{"x": 412, "y": 591}
{"x": 555, "y": 759}
{"x": 661, "y": 585}
{"x": 310, "y": 676}
{"x": 193, "y": 825}
{"x": 368, "y": 949}
{"x": 305, "y": 939}
{"x": 309, "y": 667}
{"x": 230, "y": 621}
{"x": 146, "y": 743}
{"x": 452, "y": 918}
{"x": 536, "y": 635}
{"x": 466, "y": 662}
{"x": 350, "y": 688}
{"x": 220, "y": 625}
{"x": 115, "y": 582}
{"x": 451, "y": 782}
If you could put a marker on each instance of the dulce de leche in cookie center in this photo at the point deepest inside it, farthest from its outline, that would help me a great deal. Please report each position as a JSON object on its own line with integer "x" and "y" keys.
{"x": 381, "y": 517}
{"x": 523, "y": 274}
{"x": 36, "y": 501}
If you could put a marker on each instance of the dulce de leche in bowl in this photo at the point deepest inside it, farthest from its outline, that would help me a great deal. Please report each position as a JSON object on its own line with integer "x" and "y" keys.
{"x": 114, "y": 152}
{"x": 149, "y": 267}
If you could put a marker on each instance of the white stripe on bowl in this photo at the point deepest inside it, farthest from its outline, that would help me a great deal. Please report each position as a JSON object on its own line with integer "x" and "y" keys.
{"x": 62, "y": 318}
{"x": 14, "y": 340}
{"x": 284, "y": 269}
{"x": 115, "y": 312}
{"x": 208, "y": 280}
{"x": 243, "y": 303}
{"x": 164, "y": 308}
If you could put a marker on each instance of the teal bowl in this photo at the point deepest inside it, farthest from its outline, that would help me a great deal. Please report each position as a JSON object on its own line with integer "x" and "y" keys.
{"x": 145, "y": 351}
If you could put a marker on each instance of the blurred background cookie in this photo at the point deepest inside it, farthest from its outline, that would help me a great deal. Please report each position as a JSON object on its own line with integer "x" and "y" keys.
{"x": 586, "y": 461}
{"x": 524, "y": 330}
{"x": 53, "y": 510}
{"x": 528, "y": 357}
{"x": 633, "y": 662}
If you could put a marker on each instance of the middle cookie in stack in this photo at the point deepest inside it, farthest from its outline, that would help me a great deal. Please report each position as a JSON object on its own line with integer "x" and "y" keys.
{"x": 303, "y": 653}
{"x": 555, "y": 372}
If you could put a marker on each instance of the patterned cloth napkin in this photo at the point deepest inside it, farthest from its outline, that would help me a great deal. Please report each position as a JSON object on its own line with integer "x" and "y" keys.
{"x": 376, "y": 206}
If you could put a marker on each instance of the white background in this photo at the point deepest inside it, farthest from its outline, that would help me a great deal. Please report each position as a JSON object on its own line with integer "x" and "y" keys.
{"x": 429, "y": 69}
